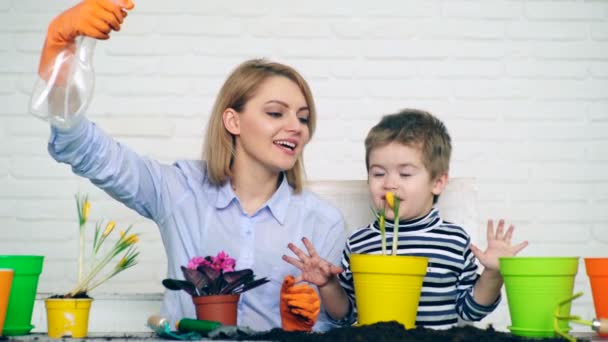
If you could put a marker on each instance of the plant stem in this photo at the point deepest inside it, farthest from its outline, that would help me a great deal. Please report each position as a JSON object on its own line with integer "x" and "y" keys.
{"x": 396, "y": 226}
{"x": 110, "y": 275}
{"x": 381, "y": 215}
{"x": 82, "y": 283}
{"x": 383, "y": 231}
{"x": 81, "y": 255}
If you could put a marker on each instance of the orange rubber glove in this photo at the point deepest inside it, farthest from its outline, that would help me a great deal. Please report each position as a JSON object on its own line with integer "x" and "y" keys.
{"x": 300, "y": 306}
{"x": 93, "y": 18}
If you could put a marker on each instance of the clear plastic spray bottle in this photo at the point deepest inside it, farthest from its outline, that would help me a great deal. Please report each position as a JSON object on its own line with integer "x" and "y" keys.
{"x": 62, "y": 103}
{"x": 64, "y": 93}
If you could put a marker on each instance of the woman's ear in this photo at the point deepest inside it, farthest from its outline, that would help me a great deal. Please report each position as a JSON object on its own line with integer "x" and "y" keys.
{"x": 231, "y": 121}
{"x": 439, "y": 183}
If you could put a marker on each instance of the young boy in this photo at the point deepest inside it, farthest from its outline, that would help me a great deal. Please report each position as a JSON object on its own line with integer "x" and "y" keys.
{"x": 408, "y": 153}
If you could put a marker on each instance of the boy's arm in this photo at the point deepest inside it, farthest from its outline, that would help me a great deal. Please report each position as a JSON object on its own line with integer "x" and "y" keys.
{"x": 346, "y": 284}
{"x": 482, "y": 298}
{"x": 487, "y": 288}
{"x": 323, "y": 274}
{"x": 334, "y": 299}
{"x": 467, "y": 305}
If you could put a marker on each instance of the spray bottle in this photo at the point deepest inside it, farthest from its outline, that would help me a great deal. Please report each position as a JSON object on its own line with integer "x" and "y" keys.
{"x": 64, "y": 97}
{"x": 63, "y": 104}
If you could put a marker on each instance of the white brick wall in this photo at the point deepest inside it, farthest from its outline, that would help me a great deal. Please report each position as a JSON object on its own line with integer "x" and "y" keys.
{"x": 521, "y": 85}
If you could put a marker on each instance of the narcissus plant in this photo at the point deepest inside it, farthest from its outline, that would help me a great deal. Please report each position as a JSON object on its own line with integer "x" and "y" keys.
{"x": 122, "y": 252}
{"x": 393, "y": 203}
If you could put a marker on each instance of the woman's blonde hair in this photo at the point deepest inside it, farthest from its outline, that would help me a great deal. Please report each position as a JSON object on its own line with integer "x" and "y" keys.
{"x": 239, "y": 88}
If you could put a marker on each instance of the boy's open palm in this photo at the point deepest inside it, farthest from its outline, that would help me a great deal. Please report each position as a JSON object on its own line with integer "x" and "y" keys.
{"x": 499, "y": 245}
{"x": 315, "y": 269}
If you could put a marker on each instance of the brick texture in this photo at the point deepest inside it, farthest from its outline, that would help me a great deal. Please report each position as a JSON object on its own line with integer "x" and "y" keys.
{"x": 521, "y": 85}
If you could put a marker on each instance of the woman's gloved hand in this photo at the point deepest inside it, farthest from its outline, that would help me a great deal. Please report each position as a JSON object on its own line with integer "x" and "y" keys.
{"x": 299, "y": 304}
{"x": 92, "y": 18}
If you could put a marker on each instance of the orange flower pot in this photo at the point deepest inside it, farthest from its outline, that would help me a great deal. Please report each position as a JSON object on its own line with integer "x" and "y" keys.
{"x": 219, "y": 308}
{"x": 597, "y": 270}
{"x": 6, "y": 281}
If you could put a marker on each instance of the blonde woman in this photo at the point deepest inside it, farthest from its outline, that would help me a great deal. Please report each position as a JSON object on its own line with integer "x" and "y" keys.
{"x": 245, "y": 197}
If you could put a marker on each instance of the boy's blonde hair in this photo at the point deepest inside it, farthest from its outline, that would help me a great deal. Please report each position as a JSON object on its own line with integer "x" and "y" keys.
{"x": 238, "y": 89}
{"x": 415, "y": 128}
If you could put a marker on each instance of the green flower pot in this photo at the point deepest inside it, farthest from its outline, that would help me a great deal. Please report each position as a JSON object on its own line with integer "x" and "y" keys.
{"x": 535, "y": 286}
{"x": 27, "y": 268}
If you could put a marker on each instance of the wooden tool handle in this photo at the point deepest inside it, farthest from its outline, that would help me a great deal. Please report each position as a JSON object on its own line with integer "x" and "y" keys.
{"x": 601, "y": 325}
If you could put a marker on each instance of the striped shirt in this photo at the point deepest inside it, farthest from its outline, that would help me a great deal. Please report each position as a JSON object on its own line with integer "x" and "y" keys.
{"x": 447, "y": 290}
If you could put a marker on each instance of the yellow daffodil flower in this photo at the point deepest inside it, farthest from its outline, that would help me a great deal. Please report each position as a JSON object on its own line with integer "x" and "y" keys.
{"x": 132, "y": 239}
{"x": 85, "y": 210}
{"x": 109, "y": 228}
{"x": 390, "y": 199}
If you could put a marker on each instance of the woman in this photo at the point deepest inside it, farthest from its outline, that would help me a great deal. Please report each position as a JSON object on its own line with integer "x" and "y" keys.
{"x": 246, "y": 198}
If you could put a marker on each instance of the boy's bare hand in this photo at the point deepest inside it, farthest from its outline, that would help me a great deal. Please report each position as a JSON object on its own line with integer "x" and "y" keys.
{"x": 499, "y": 245}
{"x": 315, "y": 269}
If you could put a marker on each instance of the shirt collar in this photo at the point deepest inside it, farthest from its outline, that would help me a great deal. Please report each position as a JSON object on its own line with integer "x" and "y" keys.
{"x": 277, "y": 204}
{"x": 225, "y": 195}
{"x": 280, "y": 200}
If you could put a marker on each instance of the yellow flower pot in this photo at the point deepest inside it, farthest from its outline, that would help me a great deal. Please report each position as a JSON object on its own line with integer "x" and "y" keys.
{"x": 387, "y": 288}
{"x": 68, "y": 316}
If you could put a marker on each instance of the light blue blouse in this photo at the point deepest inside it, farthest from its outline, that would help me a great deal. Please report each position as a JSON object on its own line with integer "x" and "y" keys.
{"x": 196, "y": 218}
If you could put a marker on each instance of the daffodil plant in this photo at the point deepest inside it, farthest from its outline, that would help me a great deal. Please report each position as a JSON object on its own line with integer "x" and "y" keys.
{"x": 97, "y": 273}
{"x": 393, "y": 203}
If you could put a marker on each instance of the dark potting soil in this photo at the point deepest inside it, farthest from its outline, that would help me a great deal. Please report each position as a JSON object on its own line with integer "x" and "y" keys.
{"x": 78, "y": 295}
{"x": 392, "y": 331}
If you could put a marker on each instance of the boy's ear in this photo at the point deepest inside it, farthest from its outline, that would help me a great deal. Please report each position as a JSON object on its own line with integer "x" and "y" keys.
{"x": 439, "y": 183}
{"x": 231, "y": 121}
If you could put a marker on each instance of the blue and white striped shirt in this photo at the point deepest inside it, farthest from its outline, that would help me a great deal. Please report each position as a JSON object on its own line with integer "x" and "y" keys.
{"x": 447, "y": 290}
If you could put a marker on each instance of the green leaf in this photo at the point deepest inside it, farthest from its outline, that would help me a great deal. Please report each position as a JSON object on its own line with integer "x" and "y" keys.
{"x": 396, "y": 226}
{"x": 96, "y": 237}
{"x": 198, "y": 279}
{"x": 209, "y": 271}
{"x": 251, "y": 285}
{"x": 236, "y": 278}
{"x": 175, "y": 285}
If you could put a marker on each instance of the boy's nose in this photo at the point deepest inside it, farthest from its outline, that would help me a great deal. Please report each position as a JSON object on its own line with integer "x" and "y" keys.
{"x": 390, "y": 184}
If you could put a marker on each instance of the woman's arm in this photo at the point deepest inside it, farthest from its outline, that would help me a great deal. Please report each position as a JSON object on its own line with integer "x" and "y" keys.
{"x": 140, "y": 183}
